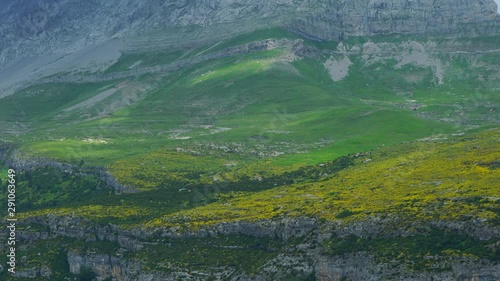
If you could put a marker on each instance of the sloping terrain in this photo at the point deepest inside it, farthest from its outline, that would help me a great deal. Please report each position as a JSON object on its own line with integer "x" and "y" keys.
{"x": 415, "y": 210}
{"x": 265, "y": 156}
{"x": 252, "y": 140}
{"x": 266, "y": 94}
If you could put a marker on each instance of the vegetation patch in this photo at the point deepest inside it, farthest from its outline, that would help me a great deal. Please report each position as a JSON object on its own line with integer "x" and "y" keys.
{"x": 419, "y": 252}
{"x": 239, "y": 252}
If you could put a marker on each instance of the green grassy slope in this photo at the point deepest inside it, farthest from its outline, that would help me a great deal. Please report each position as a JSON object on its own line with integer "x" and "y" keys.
{"x": 450, "y": 179}
{"x": 257, "y": 95}
{"x": 260, "y": 136}
{"x": 256, "y": 115}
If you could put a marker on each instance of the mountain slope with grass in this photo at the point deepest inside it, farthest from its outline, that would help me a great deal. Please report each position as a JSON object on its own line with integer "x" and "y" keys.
{"x": 305, "y": 151}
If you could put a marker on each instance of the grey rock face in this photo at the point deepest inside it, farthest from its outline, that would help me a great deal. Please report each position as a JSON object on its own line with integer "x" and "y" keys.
{"x": 374, "y": 17}
{"x": 30, "y": 28}
{"x": 306, "y": 257}
{"x": 360, "y": 266}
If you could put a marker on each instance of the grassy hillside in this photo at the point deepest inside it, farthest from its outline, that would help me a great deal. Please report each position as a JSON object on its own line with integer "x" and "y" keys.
{"x": 235, "y": 99}
{"x": 407, "y": 134}
{"x": 446, "y": 180}
{"x": 442, "y": 179}
{"x": 258, "y": 115}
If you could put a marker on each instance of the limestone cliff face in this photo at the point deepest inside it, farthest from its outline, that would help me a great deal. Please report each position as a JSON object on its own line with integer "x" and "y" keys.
{"x": 374, "y": 17}
{"x": 30, "y": 28}
{"x": 305, "y": 257}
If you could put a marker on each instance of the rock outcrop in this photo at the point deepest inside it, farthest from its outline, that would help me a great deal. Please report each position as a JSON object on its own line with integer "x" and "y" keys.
{"x": 15, "y": 159}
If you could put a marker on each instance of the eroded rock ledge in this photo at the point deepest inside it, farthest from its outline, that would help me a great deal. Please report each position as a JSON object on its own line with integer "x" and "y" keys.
{"x": 305, "y": 257}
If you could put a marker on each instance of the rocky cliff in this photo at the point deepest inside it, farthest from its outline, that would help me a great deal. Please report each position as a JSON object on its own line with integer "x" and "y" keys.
{"x": 30, "y": 28}
{"x": 339, "y": 19}
{"x": 303, "y": 256}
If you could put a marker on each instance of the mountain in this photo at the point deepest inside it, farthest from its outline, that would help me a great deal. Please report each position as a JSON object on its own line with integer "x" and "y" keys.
{"x": 256, "y": 140}
{"x": 46, "y": 37}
